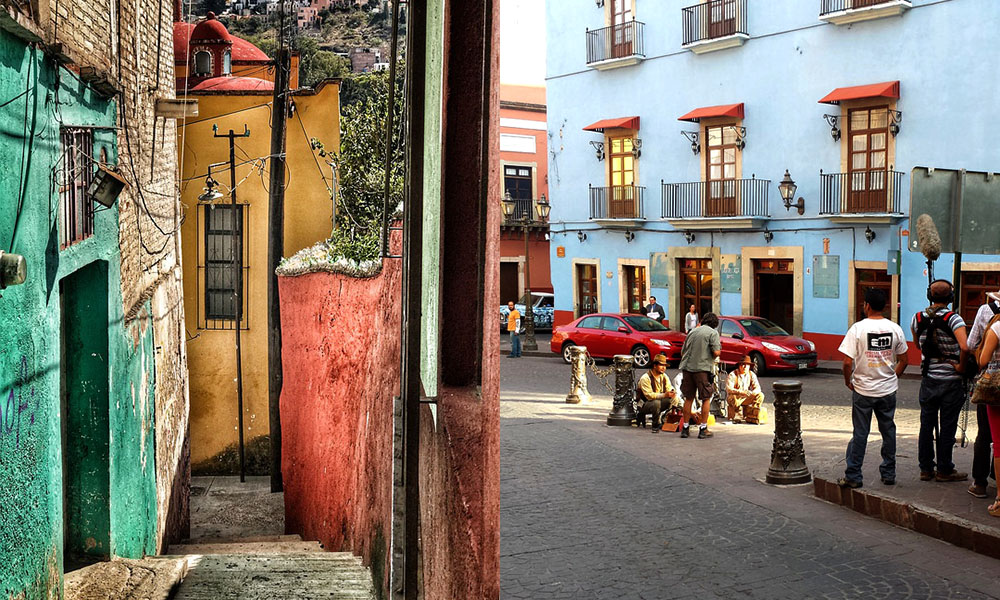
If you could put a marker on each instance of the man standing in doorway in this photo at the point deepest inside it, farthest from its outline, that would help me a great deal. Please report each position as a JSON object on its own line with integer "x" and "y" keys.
{"x": 874, "y": 352}
{"x": 691, "y": 319}
{"x": 940, "y": 333}
{"x": 699, "y": 353}
{"x": 514, "y": 328}
{"x": 653, "y": 310}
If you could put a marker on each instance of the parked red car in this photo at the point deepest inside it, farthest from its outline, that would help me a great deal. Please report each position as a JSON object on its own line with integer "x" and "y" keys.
{"x": 606, "y": 335}
{"x": 770, "y": 346}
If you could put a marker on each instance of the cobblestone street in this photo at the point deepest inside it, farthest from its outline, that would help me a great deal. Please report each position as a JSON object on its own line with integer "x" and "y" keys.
{"x": 589, "y": 511}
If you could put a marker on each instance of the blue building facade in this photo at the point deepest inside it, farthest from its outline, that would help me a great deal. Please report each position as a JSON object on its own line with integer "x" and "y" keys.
{"x": 671, "y": 127}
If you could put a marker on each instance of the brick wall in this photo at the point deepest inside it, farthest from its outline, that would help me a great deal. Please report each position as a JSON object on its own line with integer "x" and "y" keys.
{"x": 131, "y": 45}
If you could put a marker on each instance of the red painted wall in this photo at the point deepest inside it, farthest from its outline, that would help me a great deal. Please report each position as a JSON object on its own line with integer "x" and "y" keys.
{"x": 340, "y": 354}
{"x": 538, "y": 254}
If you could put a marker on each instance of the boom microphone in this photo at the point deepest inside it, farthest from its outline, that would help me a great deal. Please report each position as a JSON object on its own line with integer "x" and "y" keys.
{"x": 929, "y": 242}
{"x": 928, "y": 238}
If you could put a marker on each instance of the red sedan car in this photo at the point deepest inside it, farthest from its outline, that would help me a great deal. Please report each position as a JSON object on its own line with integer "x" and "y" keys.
{"x": 606, "y": 335}
{"x": 770, "y": 346}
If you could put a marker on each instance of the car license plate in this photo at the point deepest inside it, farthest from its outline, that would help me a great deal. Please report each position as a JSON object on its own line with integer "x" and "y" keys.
{"x": 802, "y": 365}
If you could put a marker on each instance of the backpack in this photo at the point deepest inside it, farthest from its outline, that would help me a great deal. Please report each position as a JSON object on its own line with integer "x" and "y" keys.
{"x": 933, "y": 324}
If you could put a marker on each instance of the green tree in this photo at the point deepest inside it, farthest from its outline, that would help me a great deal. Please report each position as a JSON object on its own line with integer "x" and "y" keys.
{"x": 322, "y": 65}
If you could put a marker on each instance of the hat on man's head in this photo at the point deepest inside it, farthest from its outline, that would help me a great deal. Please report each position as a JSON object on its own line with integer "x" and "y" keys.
{"x": 660, "y": 359}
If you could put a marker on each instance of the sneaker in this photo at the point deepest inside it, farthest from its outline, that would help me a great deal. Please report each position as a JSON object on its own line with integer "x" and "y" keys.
{"x": 953, "y": 476}
{"x": 848, "y": 483}
{"x": 926, "y": 475}
{"x": 704, "y": 433}
{"x": 685, "y": 432}
{"x": 888, "y": 481}
{"x": 979, "y": 491}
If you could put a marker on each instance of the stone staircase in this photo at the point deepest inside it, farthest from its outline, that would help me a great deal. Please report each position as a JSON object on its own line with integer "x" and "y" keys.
{"x": 269, "y": 567}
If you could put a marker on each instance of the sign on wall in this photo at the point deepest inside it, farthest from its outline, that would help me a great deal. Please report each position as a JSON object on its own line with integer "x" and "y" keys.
{"x": 659, "y": 275}
{"x": 826, "y": 276}
{"x": 732, "y": 273}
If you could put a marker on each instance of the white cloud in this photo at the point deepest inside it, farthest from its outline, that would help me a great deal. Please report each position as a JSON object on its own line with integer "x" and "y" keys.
{"x": 522, "y": 42}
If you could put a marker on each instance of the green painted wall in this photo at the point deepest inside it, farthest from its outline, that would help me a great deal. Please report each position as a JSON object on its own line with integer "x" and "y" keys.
{"x": 33, "y": 371}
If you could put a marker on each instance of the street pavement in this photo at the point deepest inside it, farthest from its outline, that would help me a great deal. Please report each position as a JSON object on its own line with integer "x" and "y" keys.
{"x": 590, "y": 511}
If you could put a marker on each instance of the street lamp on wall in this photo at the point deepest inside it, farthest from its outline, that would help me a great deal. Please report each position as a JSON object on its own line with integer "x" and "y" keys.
{"x": 599, "y": 150}
{"x": 692, "y": 137}
{"x": 787, "y": 189}
{"x": 832, "y": 120}
{"x": 896, "y": 117}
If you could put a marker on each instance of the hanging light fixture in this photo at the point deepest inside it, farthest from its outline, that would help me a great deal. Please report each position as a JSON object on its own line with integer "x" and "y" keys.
{"x": 599, "y": 150}
{"x": 692, "y": 137}
{"x": 210, "y": 194}
{"x": 832, "y": 121}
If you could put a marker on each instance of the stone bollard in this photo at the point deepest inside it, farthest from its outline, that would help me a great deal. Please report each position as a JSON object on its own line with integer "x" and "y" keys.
{"x": 788, "y": 458}
{"x": 622, "y": 413}
{"x": 578, "y": 379}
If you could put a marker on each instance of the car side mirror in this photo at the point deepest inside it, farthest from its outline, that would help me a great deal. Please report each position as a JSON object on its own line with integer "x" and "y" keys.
{"x": 738, "y": 335}
{"x": 623, "y": 329}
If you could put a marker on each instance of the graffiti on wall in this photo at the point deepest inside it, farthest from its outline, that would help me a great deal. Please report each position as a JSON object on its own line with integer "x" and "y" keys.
{"x": 18, "y": 407}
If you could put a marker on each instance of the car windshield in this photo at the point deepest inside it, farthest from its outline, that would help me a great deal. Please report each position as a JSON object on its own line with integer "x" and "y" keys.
{"x": 761, "y": 327}
{"x": 641, "y": 323}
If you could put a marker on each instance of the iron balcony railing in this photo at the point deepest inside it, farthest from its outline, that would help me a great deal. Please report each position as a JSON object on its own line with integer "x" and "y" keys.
{"x": 714, "y": 19}
{"x": 726, "y": 198}
{"x": 832, "y": 6}
{"x": 617, "y": 202}
{"x": 876, "y": 191}
{"x": 524, "y": 208}
{"x": 623, "y": 40}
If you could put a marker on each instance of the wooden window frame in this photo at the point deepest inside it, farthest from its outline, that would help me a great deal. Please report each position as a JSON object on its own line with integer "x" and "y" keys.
{"x": 721, "y": 196}
{"x": 205, "y": 321}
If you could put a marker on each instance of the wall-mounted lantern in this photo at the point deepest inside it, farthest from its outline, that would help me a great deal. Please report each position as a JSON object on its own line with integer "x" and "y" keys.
{"x": 741, "y": 136}
{"x": 106, "y": 186}
{"x": 896, "y": 118}
{"x": 692, "y": 137}
{"x": 13, "y": 269}
{"x": 832, "y": 121}
{"x": 599, "y": 150}
{"x": 581, "y": 236}
{"x": 689, "y": 236}
{"x": 636, "y": 148}
{"x": 869, "y": 234}
{"x": 768, "y": 236}
{"x": 629, "y": 236}
{"x": 787, "y": 189}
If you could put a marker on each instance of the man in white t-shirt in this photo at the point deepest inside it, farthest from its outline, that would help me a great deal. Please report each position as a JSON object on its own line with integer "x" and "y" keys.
{"x": 874, "y": 352}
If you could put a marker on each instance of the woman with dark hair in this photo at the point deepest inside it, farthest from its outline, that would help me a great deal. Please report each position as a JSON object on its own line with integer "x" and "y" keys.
{"x": 989, "y": 361}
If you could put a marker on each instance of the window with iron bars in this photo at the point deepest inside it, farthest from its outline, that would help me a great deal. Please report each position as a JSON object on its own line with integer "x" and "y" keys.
{"x": 76, "y": 213}
{"x": 224, "y": 237}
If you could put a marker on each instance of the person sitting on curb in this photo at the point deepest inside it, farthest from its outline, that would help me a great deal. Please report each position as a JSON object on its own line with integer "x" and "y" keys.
{"x": 743, "y": 393}
{"x": 874, "y": 352}
{"x": 654, "y": 393}
{"x": 940, "y": 334}
{"x": 701, "y": 350}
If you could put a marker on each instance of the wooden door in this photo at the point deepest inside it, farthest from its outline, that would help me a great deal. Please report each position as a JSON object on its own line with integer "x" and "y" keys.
{"x": 586, "y": 289}
{"x": 720, "y": 170}
{"x": 975, "y": 285}
{"x": 621, "y": 28}
{"x": 509, "y": 286}
{"x": 867, "y": 181}
{"x": 622, "y": 197}
{"x": 721, "y": 18}
{"x": 696, "y": 283}
{"x": 866, "y": 279}
{"x": 635, "y": 288}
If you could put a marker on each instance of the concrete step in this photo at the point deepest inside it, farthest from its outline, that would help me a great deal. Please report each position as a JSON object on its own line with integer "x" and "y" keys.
{"x": 153, "y": 578}
{"x": 301, "y": 576}
{"x": 247, "y": 548}
{"x": 293, "y": 537}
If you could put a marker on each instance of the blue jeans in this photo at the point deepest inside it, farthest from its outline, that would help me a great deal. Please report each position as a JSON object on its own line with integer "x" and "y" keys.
{"x": 862, "y": 408}
{"x": 946, "y": 397}
{"x": 515, "y": 345}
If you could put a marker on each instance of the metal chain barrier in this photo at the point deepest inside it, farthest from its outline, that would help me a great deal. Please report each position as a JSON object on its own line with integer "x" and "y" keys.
{"x": 603, "y": 374}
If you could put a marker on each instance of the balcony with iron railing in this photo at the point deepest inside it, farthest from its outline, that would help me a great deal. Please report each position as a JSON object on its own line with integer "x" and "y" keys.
{"x": 618, "y": 45}
{"x": 845, "y": 12}
{"x": 726, "y": 204}
{"x": 622, "y": 205}
{"x": 715, "y": 25}
{"x": 861, "y": 196}
{"x": 525, "y": 209}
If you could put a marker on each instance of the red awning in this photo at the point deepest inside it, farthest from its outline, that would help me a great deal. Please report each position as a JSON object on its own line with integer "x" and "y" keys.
{"x": 889, "y": 89}
{"x": 723, "y": 110}
{"x": 621, "y": 122}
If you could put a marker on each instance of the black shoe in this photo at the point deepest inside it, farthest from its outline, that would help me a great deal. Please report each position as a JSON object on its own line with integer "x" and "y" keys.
{"x": 704, "y": 433}
{"x": 656, "y": 429}
{"x": 888, "y": 481}
{"x": 685, "y": 432}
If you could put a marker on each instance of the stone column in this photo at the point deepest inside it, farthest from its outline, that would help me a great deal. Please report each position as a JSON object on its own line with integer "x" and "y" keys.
{"x": 788, "y": 458}
{"x": 578, "y": 379}
{"x": 622, "y": 413}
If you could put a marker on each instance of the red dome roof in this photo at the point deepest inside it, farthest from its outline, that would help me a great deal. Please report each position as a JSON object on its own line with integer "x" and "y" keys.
{"x": 243, "y": 51}
{"x": 211, "y": 30}
{"x": 234, "y": 84}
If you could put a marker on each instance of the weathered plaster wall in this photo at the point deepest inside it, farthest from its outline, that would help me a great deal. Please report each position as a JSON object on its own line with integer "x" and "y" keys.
{"x": 31, "y": 352}
{"x": 340, "y": 356}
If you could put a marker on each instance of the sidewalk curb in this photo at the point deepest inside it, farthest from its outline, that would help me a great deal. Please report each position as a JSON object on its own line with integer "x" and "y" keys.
{"x": 928, "y": 521}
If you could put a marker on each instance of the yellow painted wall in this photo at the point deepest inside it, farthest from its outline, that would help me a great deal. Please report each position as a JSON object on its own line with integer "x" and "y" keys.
{"x": 308, "y": 219}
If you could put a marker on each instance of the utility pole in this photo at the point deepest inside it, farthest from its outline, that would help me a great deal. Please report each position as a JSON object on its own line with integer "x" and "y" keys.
{"x": 237, "y": 224}
{"x": 275, "y": 250}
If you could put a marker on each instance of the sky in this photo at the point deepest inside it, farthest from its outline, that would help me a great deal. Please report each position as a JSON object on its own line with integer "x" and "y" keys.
{"x": 522, "y": 42}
